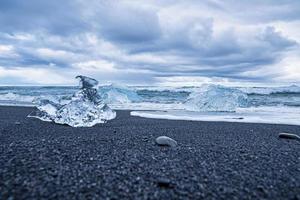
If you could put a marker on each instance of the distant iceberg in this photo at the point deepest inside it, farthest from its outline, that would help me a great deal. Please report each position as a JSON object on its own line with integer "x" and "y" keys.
{"x": 216, "y": 98}
{"x": 85, "y": 109}
{"x": 112, "y": 94}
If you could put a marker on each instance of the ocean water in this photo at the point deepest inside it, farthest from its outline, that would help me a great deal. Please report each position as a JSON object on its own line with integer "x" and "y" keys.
{"x": 280, "y": 105}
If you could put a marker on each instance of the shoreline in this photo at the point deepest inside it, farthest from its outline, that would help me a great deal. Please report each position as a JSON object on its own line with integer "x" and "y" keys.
{"x": 136, "y": 113}
{"x": 119, "y": 159}
{"x": 211, "y": 117}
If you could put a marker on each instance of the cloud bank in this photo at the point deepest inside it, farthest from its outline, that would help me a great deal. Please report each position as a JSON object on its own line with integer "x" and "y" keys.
{"x": 149, "y": 42}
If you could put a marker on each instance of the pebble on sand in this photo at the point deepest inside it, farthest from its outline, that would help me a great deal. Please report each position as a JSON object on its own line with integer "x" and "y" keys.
{"x": 166, "y": 141}
{"x": 164, "y": 183}
{"x": 289, "y": 136}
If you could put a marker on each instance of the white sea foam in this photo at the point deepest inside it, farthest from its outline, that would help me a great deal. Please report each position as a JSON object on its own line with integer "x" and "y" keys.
{"x": 29, "y": 100}
{"x": 148, "y": 106}
{"x": 269, "y": 115}
{"x": 12, "y": 97}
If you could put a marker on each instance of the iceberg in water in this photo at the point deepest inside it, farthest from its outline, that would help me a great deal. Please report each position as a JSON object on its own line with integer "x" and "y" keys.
{"x": 85, "y": 109}
{"x": 216, "y": 98}
{"x": 113, "y": 93}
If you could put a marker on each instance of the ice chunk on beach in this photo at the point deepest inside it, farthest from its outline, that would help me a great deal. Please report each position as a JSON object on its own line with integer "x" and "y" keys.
{"x": 86, "y": 82}
{"x": 87, "y": 92}
{"x": 46, "y": 110}
{"x": 83, "y": 113}
{"x": 216, "y": 98}
{"x": 85, "y": 109}
{"x": 112, "y": 94}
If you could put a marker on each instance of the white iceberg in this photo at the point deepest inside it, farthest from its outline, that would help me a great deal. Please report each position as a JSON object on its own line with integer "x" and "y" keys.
{"x": 85, "y": 109}
{"x": 216, "y": 98}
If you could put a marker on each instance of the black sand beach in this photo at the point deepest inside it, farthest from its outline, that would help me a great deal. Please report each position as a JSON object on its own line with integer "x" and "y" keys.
{"x": 120, "y": 160}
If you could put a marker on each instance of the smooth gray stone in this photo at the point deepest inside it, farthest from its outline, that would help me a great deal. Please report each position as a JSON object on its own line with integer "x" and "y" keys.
{"x": 166, "y": 141}
{"x": 289, "y": 136}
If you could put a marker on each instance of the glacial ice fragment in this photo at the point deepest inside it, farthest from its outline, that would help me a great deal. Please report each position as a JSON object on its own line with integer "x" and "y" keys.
{"x": 46, "y": 110}
{"x": 83, "y": 113}
{"x": 86, "y": 82}
{"x": 85, "y": 109}
{"x": 87, "y": 91}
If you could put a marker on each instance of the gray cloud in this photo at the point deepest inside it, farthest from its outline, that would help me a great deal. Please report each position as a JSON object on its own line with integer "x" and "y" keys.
{"x": 126, "y": 23}
{"x": 142, "y": 41}
{"x": 52, "y": 16}
{"x": 257, "y": 11}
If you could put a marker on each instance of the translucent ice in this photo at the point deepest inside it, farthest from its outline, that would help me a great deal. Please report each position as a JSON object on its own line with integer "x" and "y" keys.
{"x": 216, "y": 98}
{"x": 85, "y": 108}
{"x": 46, "y": 110}
{"x": 86, "y": 82}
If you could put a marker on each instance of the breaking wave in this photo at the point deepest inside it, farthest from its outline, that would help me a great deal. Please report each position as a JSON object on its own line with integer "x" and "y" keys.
{"x": 293, "y": 89}
{"x": 12, "y": 98}
{"x": 113, "y": 93}
{"x": 216, "y": 98}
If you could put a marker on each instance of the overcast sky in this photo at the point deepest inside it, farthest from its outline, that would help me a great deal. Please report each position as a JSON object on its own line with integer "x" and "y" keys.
{"x": 165, "y": 42}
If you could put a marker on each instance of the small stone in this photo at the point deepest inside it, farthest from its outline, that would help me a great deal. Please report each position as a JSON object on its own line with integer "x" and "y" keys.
{"x": 164, "y": 183}
{"x": 165, "y": 141}
{"x": 238, "y": 118}
{"x": 17, "y": 123}
{"x": 289, "y": 136}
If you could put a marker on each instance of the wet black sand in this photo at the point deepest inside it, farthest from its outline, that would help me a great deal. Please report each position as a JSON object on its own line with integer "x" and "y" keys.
{"x": 119, "y": 160}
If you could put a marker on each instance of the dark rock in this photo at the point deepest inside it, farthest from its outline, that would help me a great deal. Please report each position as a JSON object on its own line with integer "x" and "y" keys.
{"x": 164, "y": 183}
{"x": 289, "y": 136}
